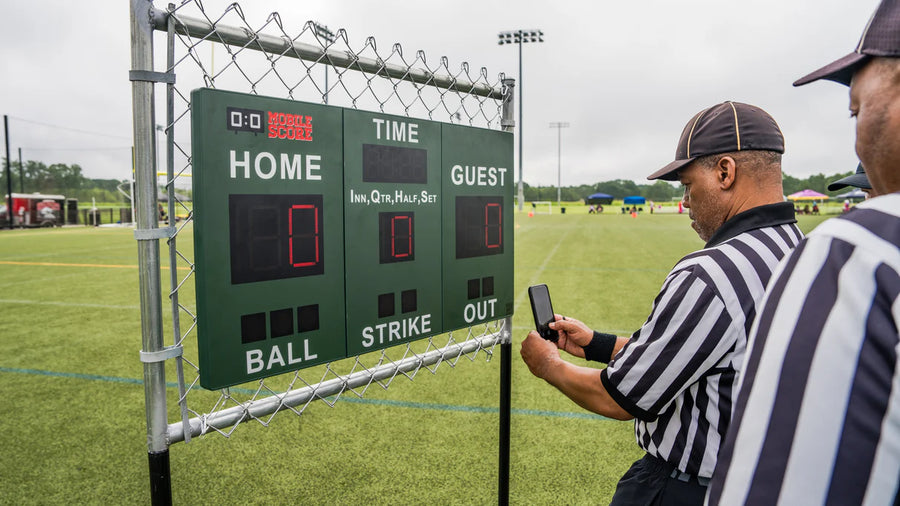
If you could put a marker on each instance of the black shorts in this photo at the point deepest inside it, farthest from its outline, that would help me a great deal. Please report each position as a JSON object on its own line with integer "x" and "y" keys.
{"x": 653, "y": 481}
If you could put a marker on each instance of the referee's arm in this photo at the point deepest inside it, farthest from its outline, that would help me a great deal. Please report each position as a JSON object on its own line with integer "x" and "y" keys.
{"x": 581, "y": 384}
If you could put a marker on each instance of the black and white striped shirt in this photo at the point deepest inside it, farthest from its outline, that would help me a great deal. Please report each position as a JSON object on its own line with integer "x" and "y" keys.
{"x": 818, "y": 415}
{"x": 677, "y": 375}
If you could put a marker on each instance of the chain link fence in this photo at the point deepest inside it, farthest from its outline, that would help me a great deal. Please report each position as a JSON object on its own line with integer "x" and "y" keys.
{"x": 305, "y": 62}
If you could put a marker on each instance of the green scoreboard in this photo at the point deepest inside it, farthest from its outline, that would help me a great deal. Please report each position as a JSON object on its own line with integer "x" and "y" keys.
{"x": 323, "y": 233}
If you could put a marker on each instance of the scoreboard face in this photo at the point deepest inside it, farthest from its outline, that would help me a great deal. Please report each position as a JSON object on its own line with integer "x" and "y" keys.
{"x": 322, "y": 233}
{"x": 268, "y": 235}
{"x": 392, "y": 220}
{"x": 477, "y": 226}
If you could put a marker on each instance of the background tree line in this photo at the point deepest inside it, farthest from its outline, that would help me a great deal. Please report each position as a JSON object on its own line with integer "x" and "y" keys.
{"x": 68, "y": 180}
{"x": 60, "y": 179}
{"x": 663, "y": 191}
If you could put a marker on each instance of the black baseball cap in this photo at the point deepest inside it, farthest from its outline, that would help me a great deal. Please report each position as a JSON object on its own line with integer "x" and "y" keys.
{"x": 881, "y": 37}
{"x": 859, "y": 180}
{"x": 723, "y": 128}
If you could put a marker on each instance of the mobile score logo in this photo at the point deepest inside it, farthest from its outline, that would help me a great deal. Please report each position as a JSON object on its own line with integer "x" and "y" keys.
{"x": 295, "y": 127}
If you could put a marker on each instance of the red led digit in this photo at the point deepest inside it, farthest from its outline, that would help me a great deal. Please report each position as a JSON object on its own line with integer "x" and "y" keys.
{"x": 479, "y": 225}
{"x": 395, "y": 237}
{"x": 275, "y": 236}
{"x": 496, "y": 227}
{"x": 311, "y": 234}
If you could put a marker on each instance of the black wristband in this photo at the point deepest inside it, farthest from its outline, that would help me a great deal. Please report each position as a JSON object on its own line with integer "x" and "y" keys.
{"x": 601, "y": 347}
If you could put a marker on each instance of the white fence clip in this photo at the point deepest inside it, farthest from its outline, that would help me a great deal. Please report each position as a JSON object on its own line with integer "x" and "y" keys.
{"x": 152, "y": 234}
{"x": 151, "y": 357}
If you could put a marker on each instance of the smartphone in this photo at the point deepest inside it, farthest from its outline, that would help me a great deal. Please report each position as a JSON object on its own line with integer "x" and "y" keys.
{"x": 543, "y": 311}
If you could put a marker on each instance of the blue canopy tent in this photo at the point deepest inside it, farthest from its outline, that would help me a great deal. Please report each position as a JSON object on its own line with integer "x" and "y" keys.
{"x": 598, "y": 198}
{"x": 635, "y": 199}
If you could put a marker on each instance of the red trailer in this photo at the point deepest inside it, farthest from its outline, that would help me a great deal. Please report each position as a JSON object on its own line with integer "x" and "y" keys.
{"x": 34, "y": 210}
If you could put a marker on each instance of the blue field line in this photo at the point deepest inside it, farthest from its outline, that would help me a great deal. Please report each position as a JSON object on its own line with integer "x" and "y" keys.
{"x": 72, "y": 375}
{"x": 344, "y": 398}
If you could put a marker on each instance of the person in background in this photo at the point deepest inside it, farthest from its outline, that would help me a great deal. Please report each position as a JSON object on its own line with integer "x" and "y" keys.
{"x": 817, "y": 419}
{"x": 676, "y": 375}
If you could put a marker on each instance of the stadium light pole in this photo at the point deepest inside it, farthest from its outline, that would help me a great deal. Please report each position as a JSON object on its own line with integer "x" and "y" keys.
{"x": 520, "y": 37}
{"x": 324, "y": 34}
{"x": 559, "y": 126}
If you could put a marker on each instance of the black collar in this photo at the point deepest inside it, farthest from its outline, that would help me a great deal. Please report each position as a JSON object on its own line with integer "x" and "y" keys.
{"x": 768, "y": 215}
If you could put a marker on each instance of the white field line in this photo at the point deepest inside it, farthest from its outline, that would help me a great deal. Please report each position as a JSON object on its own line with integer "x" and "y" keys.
{"x": 66, "y": 304}
{"x": 540, "y": 270}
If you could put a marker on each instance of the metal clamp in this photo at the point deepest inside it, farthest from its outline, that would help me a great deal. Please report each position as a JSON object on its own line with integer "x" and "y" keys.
{"x": 151, "y": 76}
{"x": 151, "y": 357}
{"x": 152, "y": 234}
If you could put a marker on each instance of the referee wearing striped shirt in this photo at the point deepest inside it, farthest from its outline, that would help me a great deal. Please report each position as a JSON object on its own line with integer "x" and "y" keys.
{"x": 817, "y": 420}
{"x": 676, "y": 375}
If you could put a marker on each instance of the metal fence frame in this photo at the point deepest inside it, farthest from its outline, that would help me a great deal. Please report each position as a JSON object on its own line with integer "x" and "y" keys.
{"x": 144, "y": 20}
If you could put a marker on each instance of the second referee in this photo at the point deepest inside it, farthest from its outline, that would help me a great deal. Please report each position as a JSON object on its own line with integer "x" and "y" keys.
{"x": 677, "y": 375}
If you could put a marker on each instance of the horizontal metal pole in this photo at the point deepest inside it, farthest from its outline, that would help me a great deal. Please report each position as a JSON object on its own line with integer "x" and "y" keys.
{"x": 269, "y": 405}
{"x": 243, "y": 37}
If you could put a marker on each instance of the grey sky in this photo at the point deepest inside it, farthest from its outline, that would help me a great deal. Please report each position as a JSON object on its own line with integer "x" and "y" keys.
{"x": 626, "y": 76}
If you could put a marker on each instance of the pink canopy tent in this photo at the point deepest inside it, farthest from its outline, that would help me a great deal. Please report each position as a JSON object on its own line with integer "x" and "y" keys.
{"x": 807, "y": 195}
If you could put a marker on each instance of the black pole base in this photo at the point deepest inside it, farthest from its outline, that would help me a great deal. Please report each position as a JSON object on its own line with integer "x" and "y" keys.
{"x": 505, "y": 412}
{"x": 160, "y": 479}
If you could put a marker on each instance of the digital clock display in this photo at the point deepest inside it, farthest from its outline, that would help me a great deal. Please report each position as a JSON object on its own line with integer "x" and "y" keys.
{"x": 244, "y": 120}
{"x": 479, "y": 226}
{"x": 275, "y": 237}
{"x": 394, "y": 164}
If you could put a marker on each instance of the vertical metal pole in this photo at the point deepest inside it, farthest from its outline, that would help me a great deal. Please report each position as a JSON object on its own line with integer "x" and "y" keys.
{"x": 170, "y": 154}
{"x": 9, "y": 203}
{"x": 508, "y": 123}
{"x": 505, "y": 412}
{"x": 142, "y": 98}
{"x": 21, "y": 174}
{"x": 521, "y": 137}
{"x": 559, "y": 166}
{"x": 133, "y": 213}
{"x": 558, "y": 125}
{"x": 173, "y": 251}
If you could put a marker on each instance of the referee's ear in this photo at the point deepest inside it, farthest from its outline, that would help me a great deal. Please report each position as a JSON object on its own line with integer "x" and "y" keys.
{"x": 725, "y": 172}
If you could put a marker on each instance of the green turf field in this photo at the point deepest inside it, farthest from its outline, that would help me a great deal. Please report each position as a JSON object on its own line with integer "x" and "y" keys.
{"x": 73, "y": 427}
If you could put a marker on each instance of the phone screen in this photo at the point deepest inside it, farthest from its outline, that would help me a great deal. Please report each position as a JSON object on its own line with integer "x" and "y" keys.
{"x": 543, "y": 311}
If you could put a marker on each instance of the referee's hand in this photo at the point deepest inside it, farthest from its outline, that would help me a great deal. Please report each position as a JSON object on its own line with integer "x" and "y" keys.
{"x": 572, "y": 331}
{"x": 539, "y": 354}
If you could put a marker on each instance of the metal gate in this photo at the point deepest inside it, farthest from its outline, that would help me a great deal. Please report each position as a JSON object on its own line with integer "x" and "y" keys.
{"x": 311, "y": 64}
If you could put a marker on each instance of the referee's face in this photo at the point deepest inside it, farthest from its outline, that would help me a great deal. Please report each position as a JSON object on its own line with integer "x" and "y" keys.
{"x": 875, "y": 102}
{"x": 703, "y": 198}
